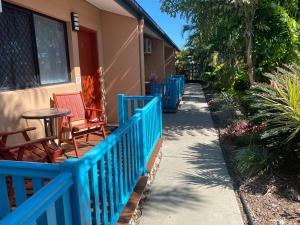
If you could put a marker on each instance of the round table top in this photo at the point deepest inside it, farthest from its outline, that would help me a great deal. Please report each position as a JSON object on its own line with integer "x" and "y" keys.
{"x": 46, "y": 113}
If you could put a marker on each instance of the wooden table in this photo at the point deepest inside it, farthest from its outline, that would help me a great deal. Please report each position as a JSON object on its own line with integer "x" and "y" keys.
{"x": 47, "y": 115}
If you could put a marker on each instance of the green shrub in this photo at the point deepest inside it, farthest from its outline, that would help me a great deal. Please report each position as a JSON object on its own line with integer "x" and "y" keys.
{"x": 253, "y": 160}
{"x": 225, "y": 104}
{"x": 277, "y": 108}
{"x": 241, "y": 81}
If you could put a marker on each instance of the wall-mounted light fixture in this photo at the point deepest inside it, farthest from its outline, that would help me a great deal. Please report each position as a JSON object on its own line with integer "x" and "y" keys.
{"x": 74, "y": 20}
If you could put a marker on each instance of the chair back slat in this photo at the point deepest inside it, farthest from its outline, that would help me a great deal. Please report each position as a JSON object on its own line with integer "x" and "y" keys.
{"x": 72, "y": 101}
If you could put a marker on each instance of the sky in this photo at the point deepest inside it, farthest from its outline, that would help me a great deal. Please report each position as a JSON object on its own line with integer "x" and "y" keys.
{"x": 172, "y": 26}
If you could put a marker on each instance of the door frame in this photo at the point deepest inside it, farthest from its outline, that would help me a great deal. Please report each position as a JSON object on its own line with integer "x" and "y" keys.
{"x": 88, "y": 30}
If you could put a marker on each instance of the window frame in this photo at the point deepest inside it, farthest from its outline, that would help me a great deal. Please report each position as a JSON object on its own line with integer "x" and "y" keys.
{"x": 35, "y": 50}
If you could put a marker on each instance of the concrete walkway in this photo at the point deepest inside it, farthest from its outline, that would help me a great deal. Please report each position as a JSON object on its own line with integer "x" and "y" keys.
{"x": 192, "y": 186}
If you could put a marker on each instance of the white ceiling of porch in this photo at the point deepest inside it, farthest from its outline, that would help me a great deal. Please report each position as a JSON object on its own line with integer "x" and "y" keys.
{"x": 111, "y": 6}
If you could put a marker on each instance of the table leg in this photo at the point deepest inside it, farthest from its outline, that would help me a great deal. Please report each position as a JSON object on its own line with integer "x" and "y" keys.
{"x": 46, "y": 127}
{"x": 51, "y": 127}
{"x": 52, "y": 131}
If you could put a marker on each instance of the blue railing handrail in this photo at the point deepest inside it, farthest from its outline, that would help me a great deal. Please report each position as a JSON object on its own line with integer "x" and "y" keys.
{"x": 94, "y": 154}
{"x": 170, "y": 90}
{"x": 137, "y": 97}
{"x": 34, "y": 207}
{"x": 41, "y": 170}
{"x": 104, "y": 178}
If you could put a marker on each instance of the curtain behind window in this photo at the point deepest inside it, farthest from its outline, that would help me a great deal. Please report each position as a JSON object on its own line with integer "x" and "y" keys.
{"x": 51, "y": 48}
{"x": 17, "y": 55}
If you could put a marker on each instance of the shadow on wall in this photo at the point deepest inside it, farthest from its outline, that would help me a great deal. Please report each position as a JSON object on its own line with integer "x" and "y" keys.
{"x": 133, "y": 36}
{"x": 170, "y": 59}
{"x": 121, "y": 76}
{"x": 14, "y": 103}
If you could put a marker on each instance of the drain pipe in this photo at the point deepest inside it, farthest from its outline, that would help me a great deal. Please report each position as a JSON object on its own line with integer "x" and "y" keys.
{"x": 142, "y": 59}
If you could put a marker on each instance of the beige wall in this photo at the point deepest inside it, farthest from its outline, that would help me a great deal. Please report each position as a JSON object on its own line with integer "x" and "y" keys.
{"x": 155, "y": 62}
{"x": 121, "y": 59}
{"x": 170, "y": 59}
{"x": 118, "y": 49}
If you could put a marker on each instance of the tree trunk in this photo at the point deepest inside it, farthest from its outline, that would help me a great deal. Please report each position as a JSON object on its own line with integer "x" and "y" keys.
{"x": 250, "y": 70}
{"x": 250, "y": 10}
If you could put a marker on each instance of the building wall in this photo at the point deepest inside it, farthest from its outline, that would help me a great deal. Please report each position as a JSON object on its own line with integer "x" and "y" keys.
{"x": 120, "y": 66}
{"x": 170, "y": 59}
{"x": 155, "y": 62}
{"x": 121, "y": 51}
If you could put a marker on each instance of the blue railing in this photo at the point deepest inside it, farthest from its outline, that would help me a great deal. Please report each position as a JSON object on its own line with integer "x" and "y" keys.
{"x": 51, "y": 203}
{"x": 171, "y": 90}
{"x": 128, "y": 105}
{"x": 91, "y": 190}
{"x": 181, "y": 81}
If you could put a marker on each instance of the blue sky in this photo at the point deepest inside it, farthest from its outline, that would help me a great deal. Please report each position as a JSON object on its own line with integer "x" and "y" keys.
{"x": 172, "y": 26}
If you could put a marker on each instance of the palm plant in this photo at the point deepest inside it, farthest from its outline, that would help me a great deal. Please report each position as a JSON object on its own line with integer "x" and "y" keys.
{"x": 278, "y": 111}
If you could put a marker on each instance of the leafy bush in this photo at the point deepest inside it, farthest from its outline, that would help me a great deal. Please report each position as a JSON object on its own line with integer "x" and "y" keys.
{"x": 253, "y": 160}
{"x": 222, "y": 100}
{"x": 240, "y": 129}
{"x": 241, "y": 81}
{"x": 225, "y": 105}
{"x": 278, "y": 110}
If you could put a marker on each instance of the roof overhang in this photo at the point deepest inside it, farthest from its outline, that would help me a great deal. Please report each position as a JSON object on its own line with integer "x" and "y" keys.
{"x": 150, "y": 33}
{"x": 113, "y": 6}
{"x": 132, "y": 9}
{"x": 140, "y": 13}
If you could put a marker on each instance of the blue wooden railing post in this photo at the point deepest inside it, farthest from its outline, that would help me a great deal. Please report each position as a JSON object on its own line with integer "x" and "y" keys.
{"x": 80, "y": 191}
{"x": 143, "y": 140}
{"x": 159, "y": 116}
{"x": 121, "y": 116}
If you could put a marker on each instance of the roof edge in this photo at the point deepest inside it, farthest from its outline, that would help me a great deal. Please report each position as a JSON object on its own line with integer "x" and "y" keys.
{"x": 139, "y": 12}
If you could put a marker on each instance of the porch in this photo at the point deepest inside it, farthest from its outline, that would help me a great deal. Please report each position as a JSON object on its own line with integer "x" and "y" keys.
{"x": 93, "y": 189}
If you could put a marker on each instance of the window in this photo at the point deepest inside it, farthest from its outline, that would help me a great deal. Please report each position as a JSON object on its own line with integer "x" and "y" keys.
{"x": 51, "y": 48}
{"x": 33, "y": 50}
{"x": 147, "y": 46}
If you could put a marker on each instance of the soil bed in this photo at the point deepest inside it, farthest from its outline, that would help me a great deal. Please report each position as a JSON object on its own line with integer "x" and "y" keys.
{"x": 270, "y": 199}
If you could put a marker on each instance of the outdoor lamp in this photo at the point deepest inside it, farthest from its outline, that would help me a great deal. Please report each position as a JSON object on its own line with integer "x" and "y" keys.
{"x": 74, "y": 20}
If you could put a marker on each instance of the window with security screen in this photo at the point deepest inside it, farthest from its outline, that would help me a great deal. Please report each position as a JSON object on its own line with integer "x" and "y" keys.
{"x": 33, "y": 50}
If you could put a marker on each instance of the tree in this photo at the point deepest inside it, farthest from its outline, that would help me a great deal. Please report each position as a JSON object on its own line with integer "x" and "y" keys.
{"x": 249, "y": 7}
{"x": 236, "y": 30}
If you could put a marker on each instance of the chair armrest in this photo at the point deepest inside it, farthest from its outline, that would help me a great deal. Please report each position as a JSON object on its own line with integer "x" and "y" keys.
{"x": 96, "y": 110}
{"x": 17, "y": 132}
{"x": 28, "y": 143}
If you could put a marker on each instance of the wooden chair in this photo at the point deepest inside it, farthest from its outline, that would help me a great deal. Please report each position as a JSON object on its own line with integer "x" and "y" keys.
{"x": 30, "y": 150}
{"x": 82, "y": 121}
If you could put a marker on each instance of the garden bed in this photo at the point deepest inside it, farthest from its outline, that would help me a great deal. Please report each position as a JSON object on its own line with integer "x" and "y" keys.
{"x": 269, "y": 199}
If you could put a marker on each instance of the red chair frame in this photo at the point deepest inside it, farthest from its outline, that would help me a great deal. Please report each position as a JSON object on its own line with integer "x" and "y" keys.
{"x": 91, "y": 121}
{"x": 17, "y": 152}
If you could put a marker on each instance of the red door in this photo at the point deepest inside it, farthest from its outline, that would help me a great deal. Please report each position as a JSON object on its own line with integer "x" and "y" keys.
{"x": 89, "y": 66}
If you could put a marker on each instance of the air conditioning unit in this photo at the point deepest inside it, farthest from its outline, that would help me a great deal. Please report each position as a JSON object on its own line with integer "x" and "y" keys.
{"x": 147, "y": 46}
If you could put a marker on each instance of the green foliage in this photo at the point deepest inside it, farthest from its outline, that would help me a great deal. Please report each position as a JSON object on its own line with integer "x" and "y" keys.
{"x": 277, "y": 108}
{"x": 253, "y": 160}
{"x": 276, "y": 38}
{"x": 217, "y": 32}
{"x": 241, "y": 81}
{"x": 225, "y": 106}
{"x": 182, "y": 60}
{"x": 278, "y": 103}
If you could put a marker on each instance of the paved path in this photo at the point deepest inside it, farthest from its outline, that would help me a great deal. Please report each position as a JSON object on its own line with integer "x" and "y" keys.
{"x": 192, "y": 186}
